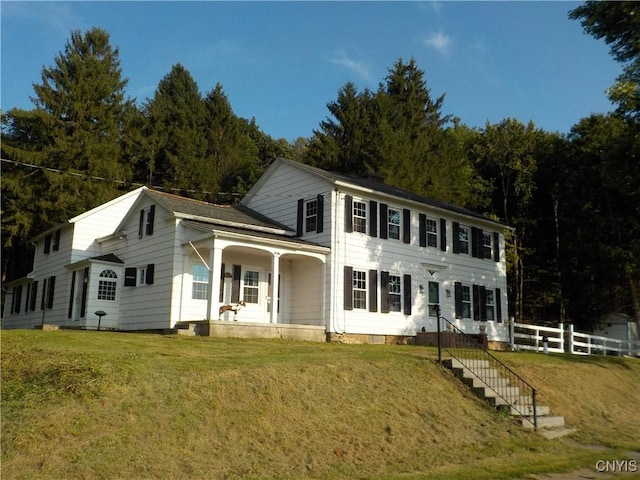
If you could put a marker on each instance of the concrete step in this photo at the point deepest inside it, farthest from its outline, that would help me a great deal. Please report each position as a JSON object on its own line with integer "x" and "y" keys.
{"x": 494, "y": 382}
{"x": 543, "y": 422}
{"x": 508, "y": 401}
{"x": 470, "y": 363}
{"x": 527, "y": 410}
{"x": 504, "y": 392}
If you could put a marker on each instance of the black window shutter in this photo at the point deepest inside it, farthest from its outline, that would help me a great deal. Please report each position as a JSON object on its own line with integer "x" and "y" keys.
{"x": 384, "y": 220}
{"x": 149, "y": 273}
{"x": 373, "y": 291}
{"x": 43, "y": 301}
{"x": 373, "y": 218}
{"x": 422, "y": 229}
{"x": 52, "y": 286}
{"x": 406, "y": 293}
{"x": 73, "y": 287}
{"x": 456, "y": 237}
{"x": 348, "y": 213}
{"x": 34, "y": 293}
{"x": 496, "y": 247}
{"x": 56, "y": 241}
{"x": 130, "y": 276}
{"x": 320, "y": 221}
{"x": 406, "y": 225}
{"x": 384, "y": 292}
{"x": 476, "y": 239}
{"x": 26, "y": 298}
{"x": 443, "y": 235}
{"x": 235, "y": 284}
{"x": 348, "y": 288}
{"x": 498, "y": 301}
{"x": 299, "y": 229}
{"x": 150, "y": 219}
{"x": 141, "y": 224}
{"x": 47, "y": 244}
{"x": 458, "y": 297}
{"x": 476, "y": 302}
{"x": 85, "y": 289}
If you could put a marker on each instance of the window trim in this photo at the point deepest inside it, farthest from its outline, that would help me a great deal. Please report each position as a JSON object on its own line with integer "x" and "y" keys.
{"x": 359, "y": 288}
{"x": 359, "y": 222}
{"x": 107, "y": 285}
{"x": 202, "y": 290}
{"x": 311, "y": 215}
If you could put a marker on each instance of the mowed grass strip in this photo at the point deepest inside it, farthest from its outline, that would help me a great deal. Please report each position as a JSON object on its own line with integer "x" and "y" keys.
{"x": 107, "y": 405}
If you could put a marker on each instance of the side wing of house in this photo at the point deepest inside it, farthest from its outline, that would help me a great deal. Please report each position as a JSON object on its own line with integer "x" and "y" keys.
{"x": 54, "y": 291}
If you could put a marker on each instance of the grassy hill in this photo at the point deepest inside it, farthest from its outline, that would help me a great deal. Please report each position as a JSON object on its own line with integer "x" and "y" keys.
{"x": 108, "y": 405}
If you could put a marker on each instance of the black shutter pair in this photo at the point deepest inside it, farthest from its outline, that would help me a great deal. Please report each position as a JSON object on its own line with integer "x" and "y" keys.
{"x": 319, "y": 216}
{"x": 131, "y": 275}
{"x": 422, "y": 229}
{"x": 148, "y": 228}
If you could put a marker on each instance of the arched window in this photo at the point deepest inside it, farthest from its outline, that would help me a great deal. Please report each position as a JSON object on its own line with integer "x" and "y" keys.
{"x": 107, "y": 285}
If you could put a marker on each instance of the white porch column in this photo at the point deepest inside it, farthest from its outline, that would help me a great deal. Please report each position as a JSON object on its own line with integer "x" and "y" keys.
{"x": 275, "y": 273}
{"x": 214, "y": 283}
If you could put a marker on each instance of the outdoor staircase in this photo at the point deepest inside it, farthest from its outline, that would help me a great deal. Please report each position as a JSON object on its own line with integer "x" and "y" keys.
{"x": 487, "y": 382}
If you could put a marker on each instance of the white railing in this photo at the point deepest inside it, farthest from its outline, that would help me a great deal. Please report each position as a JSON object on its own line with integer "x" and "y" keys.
{"x": 566, "y": 339}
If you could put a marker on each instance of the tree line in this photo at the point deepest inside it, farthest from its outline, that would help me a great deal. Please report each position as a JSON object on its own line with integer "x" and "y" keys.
{"x": 573, "y": 200}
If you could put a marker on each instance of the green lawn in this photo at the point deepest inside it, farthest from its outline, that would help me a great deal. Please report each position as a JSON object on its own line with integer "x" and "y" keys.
{"x": 109, "y": 405}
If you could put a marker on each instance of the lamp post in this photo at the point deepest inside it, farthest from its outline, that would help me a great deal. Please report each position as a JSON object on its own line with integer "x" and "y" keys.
{"x": 100, "y": 314}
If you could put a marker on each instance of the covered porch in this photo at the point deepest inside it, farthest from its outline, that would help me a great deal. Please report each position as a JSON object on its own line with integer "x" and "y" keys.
{"x": 253, "y": 284}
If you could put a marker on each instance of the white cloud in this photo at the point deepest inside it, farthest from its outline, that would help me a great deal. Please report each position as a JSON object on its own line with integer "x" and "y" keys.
{"x": 439, "y": 41}
{"x": 61, "y": 18}
{"x": 358, "y": 67}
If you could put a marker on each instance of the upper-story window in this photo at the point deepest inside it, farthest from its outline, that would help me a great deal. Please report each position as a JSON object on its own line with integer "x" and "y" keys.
{"x": 432, "y": 232}
{"x": 147, "y": 218}
{"x": 487, "y": 245}
{"x": 463, "y": 239}
{"x": 393, "y": 220}
{"x": 311, "y": 215}
{"x": 107, "y": 285}
{"x": 359, "y": 216}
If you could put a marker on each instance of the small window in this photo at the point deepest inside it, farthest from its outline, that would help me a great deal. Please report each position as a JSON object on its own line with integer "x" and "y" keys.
{"x": 199, "y": 283}
{"x": 432, "y": 232}
{"x": 107, "y": 285}
{"x": 395, "y": 294}
{"x": 359, "y": 217}
{"x": 433, "y": 298}
{"x": 251, "y": 287}
{"x": 359, "y": 289}
{"x": 393, "y": 216}
{"x": 491, "y": 305}
{"x": 466, "y": 301}
{"x": 463, "y": 239}
{"x": 142, "y": 276}
{"x": 311, "y": 216}
{"x": 486, "y": 245}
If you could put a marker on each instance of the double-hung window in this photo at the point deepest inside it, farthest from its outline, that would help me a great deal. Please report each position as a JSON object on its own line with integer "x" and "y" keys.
{"x": 486, "y": 245}
{"x": 393, "y": 220}
{"x": 251, "y": 281}
{"x": 199, "y": 282}
{"x": 311, "y": 215}
{"x": 432, "y": 232}
{"x": 359, "y": 216}
{"x": 395, "y": 293}
{"x": 490, "y": 305}
{"x": 465, "y": 291}
{"x": 359, "y": 289}
{"x": 463, "y": 239}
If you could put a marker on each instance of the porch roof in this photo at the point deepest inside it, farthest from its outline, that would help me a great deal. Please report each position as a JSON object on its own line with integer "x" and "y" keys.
{"x": 265, "y": 236}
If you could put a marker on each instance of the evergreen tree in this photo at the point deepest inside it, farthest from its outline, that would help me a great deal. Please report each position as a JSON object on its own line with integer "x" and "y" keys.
{"x": 176, "y": 157}
{"x": 74, "y": 134}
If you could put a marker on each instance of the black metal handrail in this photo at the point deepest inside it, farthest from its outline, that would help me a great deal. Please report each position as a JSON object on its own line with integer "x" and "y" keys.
{"x": 511, "y": 388}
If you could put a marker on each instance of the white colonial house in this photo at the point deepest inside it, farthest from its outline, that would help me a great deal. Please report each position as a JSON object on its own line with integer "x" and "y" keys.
{"x": 351, "y": 258}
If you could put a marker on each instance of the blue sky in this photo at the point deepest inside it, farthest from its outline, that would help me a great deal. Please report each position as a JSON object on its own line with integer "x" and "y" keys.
{"x": 282, "y": 62}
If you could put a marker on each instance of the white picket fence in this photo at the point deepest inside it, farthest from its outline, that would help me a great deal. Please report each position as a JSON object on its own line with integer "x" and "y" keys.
{"x": 566, "y": 339}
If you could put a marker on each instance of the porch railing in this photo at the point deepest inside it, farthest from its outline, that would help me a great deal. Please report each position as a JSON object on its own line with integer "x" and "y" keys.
{"x": 507, "y": 387}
